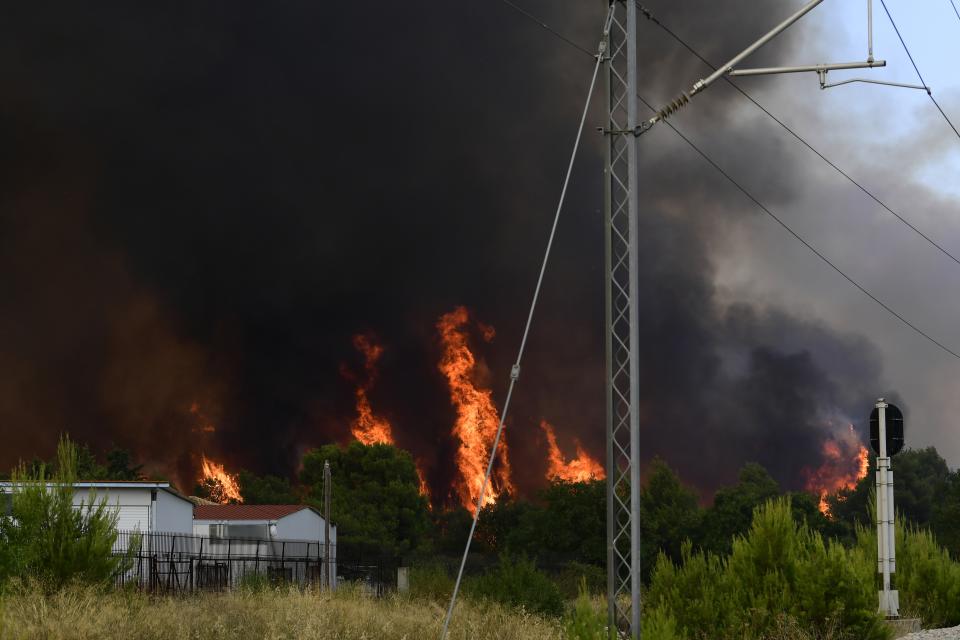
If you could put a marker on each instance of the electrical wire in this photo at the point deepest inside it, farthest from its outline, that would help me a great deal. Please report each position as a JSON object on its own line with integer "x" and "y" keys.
{"x": 544, "y": 25}
{"x": 917, "y": 69}
{"x": 955, "y": 10}
{"x": 809, "y": 246}
{"x": 647, "y": 14}
{"x": 779, "y": 221}
{"x": 515, "y": 370}
{"x": 799, "y": 138}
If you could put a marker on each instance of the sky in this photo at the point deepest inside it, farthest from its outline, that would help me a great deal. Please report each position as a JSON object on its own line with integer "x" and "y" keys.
{"x": 203, "y": 204}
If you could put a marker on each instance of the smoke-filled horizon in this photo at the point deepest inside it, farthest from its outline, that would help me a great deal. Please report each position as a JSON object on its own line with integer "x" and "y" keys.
{"x": 205, "y": 205}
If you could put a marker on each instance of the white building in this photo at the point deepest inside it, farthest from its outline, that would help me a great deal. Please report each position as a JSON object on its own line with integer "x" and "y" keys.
{"x": 268, "y": 531}
{"x": 279, "y": 522}
{"x": 144, "y": 506}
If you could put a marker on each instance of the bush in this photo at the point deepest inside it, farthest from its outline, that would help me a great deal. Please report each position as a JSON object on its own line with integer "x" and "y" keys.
{"x": 517, "y": 582}
{"x": 584, "y": 621}
{"x": 575, "y": 576}
{"x": 780, "y": 573}
{"x": 926, "y": 577}
{"x": 430, "y": 582}
{"x": 47, "y": 539}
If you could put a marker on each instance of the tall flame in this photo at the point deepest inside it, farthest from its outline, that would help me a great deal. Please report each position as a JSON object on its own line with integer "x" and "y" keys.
{"x": 583, "y": 468}
{"x": 225, "y": 487}
{"x": 368, "y": 427}
{"x": 845, "y": 462}
{"x": 477, "y": 418}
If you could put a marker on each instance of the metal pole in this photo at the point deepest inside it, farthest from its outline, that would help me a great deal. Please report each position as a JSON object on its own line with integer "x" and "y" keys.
{"x": 622, "y": 318}
{"x": 634, "y": 213}
{"x": 608, "y": 176}
{"x": 870, "y": 30}
{"x": 780, "y": 28}
{"x": 328, "y": 579}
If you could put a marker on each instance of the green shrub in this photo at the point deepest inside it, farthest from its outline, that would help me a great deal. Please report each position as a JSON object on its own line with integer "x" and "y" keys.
{"x": 660, "y": 625}
{"x": 570, "y": 578}
{"x": 584, "y": 621}
{"x": 430, "y": 582}
{"x": 517, "y": 582}
{"x": 926, "y": 577}
{"x": 779, "y": 573}
{"x": 49, "y": 540}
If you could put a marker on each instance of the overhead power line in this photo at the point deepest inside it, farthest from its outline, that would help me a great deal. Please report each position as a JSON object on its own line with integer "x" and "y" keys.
{"x": 800, "y": 138}
{"x": 798, "y": 237}
{"x": 917, "y": 69}
{"x": 758, "y": 203}
{"x": 955, "y": 10}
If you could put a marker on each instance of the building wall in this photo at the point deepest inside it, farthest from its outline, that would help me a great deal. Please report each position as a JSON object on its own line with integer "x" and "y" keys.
{"x": 172, "y": 514}
{"x": 302, "y": 525}
{"x": 137, "y": 511}
{"x": 132, "y": 505}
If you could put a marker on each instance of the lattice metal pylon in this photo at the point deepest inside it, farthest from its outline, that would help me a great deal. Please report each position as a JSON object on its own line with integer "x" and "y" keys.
{"x": 621, "y": 211}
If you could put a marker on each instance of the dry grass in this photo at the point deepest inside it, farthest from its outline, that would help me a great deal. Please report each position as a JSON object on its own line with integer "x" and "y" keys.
{"x": 80, "y": 614}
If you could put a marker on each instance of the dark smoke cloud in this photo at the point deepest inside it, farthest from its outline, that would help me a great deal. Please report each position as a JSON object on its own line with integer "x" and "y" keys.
{"x": 204, "y": 203}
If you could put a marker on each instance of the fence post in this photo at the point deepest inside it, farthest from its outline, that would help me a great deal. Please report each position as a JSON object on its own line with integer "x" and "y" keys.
{"x": 256, "y": 560}
{"x": 229, "y": 565}
{"x": 283, "y": 553}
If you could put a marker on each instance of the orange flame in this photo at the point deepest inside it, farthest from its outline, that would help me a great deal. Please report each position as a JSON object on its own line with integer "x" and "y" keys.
{"x": 583, "y": 468}
{"x": 845, "y": 462}
{"x": 225, "y": 488}
{"x": 477, "y": 417}
{"x": 368, "y": 427}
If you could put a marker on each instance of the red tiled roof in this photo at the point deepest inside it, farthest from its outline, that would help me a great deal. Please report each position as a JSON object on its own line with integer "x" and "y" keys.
{"x": 245, "y": 511}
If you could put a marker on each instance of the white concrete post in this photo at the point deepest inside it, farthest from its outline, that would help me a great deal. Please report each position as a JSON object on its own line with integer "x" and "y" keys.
{"x": 886, "y": 545}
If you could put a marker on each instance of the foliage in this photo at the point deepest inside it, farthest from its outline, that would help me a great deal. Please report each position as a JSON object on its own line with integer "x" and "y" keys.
{"x": 265, "y": 489}
{"x": 568, "y": 522}
{"x": 376, "y": 501}
{"x": 669, "y": 515}
{"x": 924, "y": 491}
{"x": 585, "y": 621}
{"x": 733, "y": 507}
{"x": 778, "y": 568}
{"x": 517, "y": 582}
{"x": 430, "y": 582}
{"x": 945, "y": 519}
{"x": 450, "y": 529}
{"x": 346, "y": 614}
{"x": 574, "y": 575}
{"x": 47, "y": 538}
{"x": 120, "y": 466}
{"x": 926, "y": 577}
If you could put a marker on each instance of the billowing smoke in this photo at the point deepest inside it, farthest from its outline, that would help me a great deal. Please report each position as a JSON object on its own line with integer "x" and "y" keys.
{"x": 205, "y": 206}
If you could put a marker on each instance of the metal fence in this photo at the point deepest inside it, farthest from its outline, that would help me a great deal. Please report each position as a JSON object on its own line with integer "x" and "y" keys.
{"x": 175, "y": 563}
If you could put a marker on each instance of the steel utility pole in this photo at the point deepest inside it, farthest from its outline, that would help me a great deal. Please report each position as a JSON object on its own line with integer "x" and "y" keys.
{"x": 621, "y": 206}
{"x": 621, "y": 212}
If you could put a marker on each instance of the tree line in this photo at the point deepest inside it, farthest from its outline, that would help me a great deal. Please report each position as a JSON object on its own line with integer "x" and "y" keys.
{"x": 379, "y": 510}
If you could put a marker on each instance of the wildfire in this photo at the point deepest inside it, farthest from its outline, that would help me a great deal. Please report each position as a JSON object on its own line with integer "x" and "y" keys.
{"x": 477, "y": 417}
{"x": 224, "y": 486}
{"x": 845, "y": 462}
{"x": 368, "y": 427}
{"x": 583, "y": 468}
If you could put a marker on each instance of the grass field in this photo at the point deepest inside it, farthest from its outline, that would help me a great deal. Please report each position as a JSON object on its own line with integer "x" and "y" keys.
{"x": 84, "y": 613}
